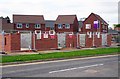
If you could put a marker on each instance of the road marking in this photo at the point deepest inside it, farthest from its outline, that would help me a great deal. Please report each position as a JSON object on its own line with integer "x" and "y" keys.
{"x": 56, "y": 61}
{"x": 76, "y": 68}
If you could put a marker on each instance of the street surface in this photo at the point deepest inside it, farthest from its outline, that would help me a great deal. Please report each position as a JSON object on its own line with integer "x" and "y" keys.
{"x": 85, "y": 67}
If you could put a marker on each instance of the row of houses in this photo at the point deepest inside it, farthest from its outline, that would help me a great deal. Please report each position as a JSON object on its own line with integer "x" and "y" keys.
{"x": 32, "y": 32}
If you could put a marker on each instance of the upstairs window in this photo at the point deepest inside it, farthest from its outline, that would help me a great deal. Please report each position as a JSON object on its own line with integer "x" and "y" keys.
{"x": 88, "y": 26}
{"x": 37, "y": 26}
{"x": 27, "y": 25}
{"x": 19, "y": 25}
{"x": 67, "y": 26}
{"x": 59, "y": 26}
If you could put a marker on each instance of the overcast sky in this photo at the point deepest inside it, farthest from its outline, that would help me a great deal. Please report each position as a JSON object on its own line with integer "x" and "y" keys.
{"x": 107, "y": 9}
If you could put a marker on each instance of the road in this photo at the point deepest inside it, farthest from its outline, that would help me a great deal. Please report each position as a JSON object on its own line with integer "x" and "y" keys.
{"x": 85, "y": 67}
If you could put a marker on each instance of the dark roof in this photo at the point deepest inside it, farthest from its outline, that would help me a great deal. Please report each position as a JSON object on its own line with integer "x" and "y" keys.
{"x": 80, "y": 24}
{"x": 110, "y": 31}
{"x": 63, "y": 19}
{"x": 49, "y": 23}
{"x": 28, "y": 19}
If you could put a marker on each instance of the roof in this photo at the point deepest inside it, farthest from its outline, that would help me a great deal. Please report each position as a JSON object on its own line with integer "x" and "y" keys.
{"x": 80, "y": 24}
{"x": 28, "y": 19}
{"x": 49, "y": 23}
{"x": 98, "y": 17}
{"x": 63, "y": 19}
{"x": 110, "y": 31}
{"x": 103, "y": 21}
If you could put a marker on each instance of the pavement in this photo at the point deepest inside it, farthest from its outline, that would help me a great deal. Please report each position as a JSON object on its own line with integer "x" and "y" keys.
{"x": 104, "y": 66}
{"x": 52, "y": 51}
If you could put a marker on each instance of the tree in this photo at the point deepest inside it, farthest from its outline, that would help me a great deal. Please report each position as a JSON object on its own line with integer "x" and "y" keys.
{"x": 116, "y": 25}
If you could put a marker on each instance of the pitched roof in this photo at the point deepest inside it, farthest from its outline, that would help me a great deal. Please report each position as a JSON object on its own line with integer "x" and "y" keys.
{"x": 80, "y": 24}
{"x": 49, "y": 23}
{"x": 103, "y": 21}
{"x": 63, "y": 19}
{"x": 110, "y": 31}
{"x": 98, "y": 17}
{"x": 28, "y": 18}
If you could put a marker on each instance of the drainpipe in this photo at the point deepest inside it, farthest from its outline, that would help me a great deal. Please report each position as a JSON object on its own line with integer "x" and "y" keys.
{"x": 3, "y": 42}
{"x": 34, "y": 41}
{"x": 93, "y": 40}
{"x": 77, "y": 41}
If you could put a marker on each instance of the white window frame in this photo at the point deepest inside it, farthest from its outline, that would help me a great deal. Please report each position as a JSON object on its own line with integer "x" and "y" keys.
{"x": 27, "y": 25}
{"x": 87, "y": 26}
{"x": 19, "y": 25}
{"x": 59, "y": 26}
{"x": 67, "y": 26}
{"x": 37, "y": 26}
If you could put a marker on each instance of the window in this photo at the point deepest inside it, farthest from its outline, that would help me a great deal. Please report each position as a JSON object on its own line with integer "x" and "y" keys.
{"x": 19, "y": 25}
{"x": 88, "y": 26}
{"x": 67, "y": 26}
{"x": 59, "y": 26}
{"x": 89, "y": 34}
{"x": 27, "y": 25}
{"x": 37, "y": 26}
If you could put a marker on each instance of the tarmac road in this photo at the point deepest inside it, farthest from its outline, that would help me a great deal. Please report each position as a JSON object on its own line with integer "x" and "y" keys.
{"x": 79, "y": 67}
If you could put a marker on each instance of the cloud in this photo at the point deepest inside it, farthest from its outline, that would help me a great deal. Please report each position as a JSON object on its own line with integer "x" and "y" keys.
{"x": 108, "y": 9}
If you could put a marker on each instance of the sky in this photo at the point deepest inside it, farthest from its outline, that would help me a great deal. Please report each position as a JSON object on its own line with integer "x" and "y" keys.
{"x": 107, "y": 9}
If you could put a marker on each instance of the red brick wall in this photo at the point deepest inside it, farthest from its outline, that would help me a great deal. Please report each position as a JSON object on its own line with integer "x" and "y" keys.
{"x": 0, "y": 42}
{"x": 11, "y": 42}
{"x": 15, "y": 42}
{"x": 90, "y": 20}
{"x": 73, "y": 27}
{"x": 89, "y": 41}
{"x": 109, "y": 38}
{"x": 31, "y": 27}
{"x": 45, "y": 43}
{"x": 98, "y": 41}
{"x": 7, "y": 46}
{"x": 71, "y": 41}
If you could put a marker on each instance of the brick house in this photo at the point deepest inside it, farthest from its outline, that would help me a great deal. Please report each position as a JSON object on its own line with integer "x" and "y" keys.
{"x": 96, "y": 30}
{"x": 66, "y": 23}
{"x": 49, "y": 25}
{"x": 66, "y": 31}
{"x": 94, "y": 23}
{"x": 5, "y": 25}
{"x": 29, "y": 22}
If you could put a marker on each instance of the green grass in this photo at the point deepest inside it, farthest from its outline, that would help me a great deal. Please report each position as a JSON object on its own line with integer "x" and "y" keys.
{"x": 80, "y": 53}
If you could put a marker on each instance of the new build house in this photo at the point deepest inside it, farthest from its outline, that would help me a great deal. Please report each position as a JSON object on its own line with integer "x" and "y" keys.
{"x": 32, "y": 32}
{"x": 66, "y": 23}
{"x": 29, "y": 22}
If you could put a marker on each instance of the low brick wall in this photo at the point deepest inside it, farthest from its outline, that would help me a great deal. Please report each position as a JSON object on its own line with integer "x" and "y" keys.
{"x": 45, "y": 43}
{"x": 109, "y": 38}
{"x": 12, "y": 42}
{"x": 71, "y": 41}
{"x": 0, "y": 42}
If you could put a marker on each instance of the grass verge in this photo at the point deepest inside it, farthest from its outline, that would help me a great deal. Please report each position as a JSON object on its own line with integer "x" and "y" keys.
{"x": 80, "y": 53}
